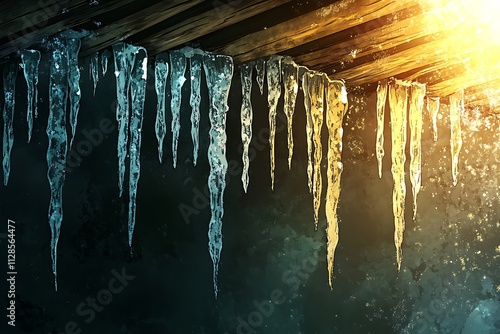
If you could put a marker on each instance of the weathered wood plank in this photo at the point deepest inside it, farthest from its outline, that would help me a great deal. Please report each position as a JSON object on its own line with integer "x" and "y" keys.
{"x": 135, "y": 23}
{"x": 311, "y": 26}
{"x": 67, "y": 20}
{"x": 220, "y": 17}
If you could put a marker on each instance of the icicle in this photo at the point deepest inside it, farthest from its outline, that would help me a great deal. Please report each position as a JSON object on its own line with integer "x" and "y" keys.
{"x": 31, "y": 59}
{"x": 138, "y": 93}
{"x": 74, "y": 84}
{"x": 246, "y": 119}
{"x": 273, "y": 70}
{"x": 336, "y": 104}
{"x": 316, "y": 93}
{"x": 219, "y": 73}
{"x": 291, "y": 83}
{"x": 260, "y": 69}
{"x": 398, "y": 102}
{"x": 9, "y": 87}
{"x": 416, "y": 108}
{"x": 456, "y": 109}
{"x": 309, "y": 129}
{"x": 58, "y": 139}
{"x": 161, "y": 74}
{"x": 94, "y": 68}
{"x": 177, "y": 79}
{"x": 104, "y": 61}
{"x": 381, "y": 99}
{"x": 194, "y": 100}
{"x": 124, "y": 56}
{"x": 433, "y": 109}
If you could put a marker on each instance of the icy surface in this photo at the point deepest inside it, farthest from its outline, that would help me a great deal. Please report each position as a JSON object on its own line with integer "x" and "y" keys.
{"x": 30, "y": 61}
{"x": 381, "y": 100}
{"x": 398, "y": 102}
{"x": 94, "y": 68}
{"x": 309, "y": 129}
{"x": 124, "y": 56}
{"x": 416, "y": 109}
{"x": 161, "y": 74}
{"x": 74, "y": 84}
{"x": 58, "y": 140}
{"x": 273, "y": 71}
{"x": 104, "y": 61}
{"x": 9, "y": 84}
{"x": 336, "y": 107}
{"x": 246, "y": 119}
{"x": 260, "y": 69}
{"x": 433, "y": 109}
{"x": 291, "y": 84}
{"x": 194, "y": 100}
{"x": 137, "y": 96}
{"x": 219, "y": 73}
{"x": 177, "y": 69}
{"x": 456, "y": 109}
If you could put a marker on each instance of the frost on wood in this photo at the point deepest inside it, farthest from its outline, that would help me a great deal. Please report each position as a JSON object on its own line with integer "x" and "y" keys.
{"x": 124, "y": 56}
{"x": 398, "y": 103}
{"x": 177, "y": 69}
{"x": 9, "y": 87}
{"x": 381, "y": 99}
{"x": 246, "y": 119}
{"x": 309, "y": 129}
{"x": 336, "y": 107}
{"x": 94, "y": 68}
{"x": 456, "y": 109}
{"x": 219, "y": 73}
{"x": 273, "y": 69}
{"x": 433, "y": 109}
{"x": 73, "y": 45}
{"x": 161, "y": 74}
{"x": 417, "y": 95}
{"x": 260, "y": 69}
{"x": 30, "y": 61}
{"x": 194, "y": 100}
{"x": 291, "y": 84}
{"x": 104, "y": 61}
{"x": 137, "y": 96}
{"x": 58, "y": 141}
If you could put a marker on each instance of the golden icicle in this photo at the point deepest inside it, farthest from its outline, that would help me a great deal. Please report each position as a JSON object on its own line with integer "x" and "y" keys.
{"x": 381, "y": 98}
{"x": 398, "y": 102}
{"x": 336, "y": 107}
{"x": 456, "y": 108}
{"x": 416, "y": 107}
{"x": 291, "y": 85}
{"x": 273, "y": 71}
{"x": 316, "y": 92}
{"x": 433, "y": 109}
{"x": 309, "y": 128}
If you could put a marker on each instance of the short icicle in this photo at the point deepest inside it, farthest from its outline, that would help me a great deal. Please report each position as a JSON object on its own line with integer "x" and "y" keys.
{"x": 75, "y": 93}
{"x": 94, "y": 68}
{"x": 195, "y": 63}
{"x": 381, "y": 100}
{"x": 161, "y": 74}
{"x": 456, "y": 109}
{"x": 291, "y": 84}
{"x": 433, "y": 109}
{"x": 30, "y": 61}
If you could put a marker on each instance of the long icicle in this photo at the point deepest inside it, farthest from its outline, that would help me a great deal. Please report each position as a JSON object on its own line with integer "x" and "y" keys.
{"x": 291, "y": 84}
{"x": 417, "y": 95}
{"x": 309, "y": 130}
{"x": 219, "y": 73}
{"x": 316, "y": 94}
{"x": 9, "y": 86}
{"x": 381, "y": 100}
{"x": 194, "y": 100}
{"x": 336, "y": 107}
{"x": 398, "y": 102}
{"x": 161, "y": 74}
{"x": 456, "y": 109}
{"x": 138, "y": 93}
{"x": 74, "y": 84}
{"x": 246, "y": 119}
{"x": 30, "y": 61}
{"x": 178, "y": 66}
{"x": 273, "y": 71}
{"x": 433, "y": 109}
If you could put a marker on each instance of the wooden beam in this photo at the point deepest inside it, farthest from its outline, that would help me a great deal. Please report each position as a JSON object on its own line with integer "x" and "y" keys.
{"x": 311, "y": 26}
{"x": 220, "y": 17}
{"x": 64, "y": 21}
{"x": 134, "y": 23}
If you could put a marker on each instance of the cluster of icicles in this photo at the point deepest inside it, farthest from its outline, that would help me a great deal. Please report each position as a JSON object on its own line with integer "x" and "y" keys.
{"x": 399, "y": 93}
